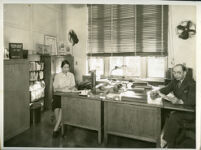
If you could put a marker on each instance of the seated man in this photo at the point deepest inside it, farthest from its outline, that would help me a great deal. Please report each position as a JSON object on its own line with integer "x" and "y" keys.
{"x": 183, "y": 88}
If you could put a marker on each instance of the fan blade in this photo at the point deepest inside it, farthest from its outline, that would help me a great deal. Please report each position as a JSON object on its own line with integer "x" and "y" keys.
{"x": 184, "y": 35}
{"x": 180, "y": 27}
{"x": 188, "y": 24}
{"x": 191, "y": 30}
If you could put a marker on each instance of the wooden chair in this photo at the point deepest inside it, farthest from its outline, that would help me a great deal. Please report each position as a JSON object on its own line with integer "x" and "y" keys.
{"x": 187, "y": 136}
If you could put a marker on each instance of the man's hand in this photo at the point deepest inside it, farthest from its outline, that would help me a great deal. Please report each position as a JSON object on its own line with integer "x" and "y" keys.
{"x": 172, "y": 99}
{"x": 175, "y": 100}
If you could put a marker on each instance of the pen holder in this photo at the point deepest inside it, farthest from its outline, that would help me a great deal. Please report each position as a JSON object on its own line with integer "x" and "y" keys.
{"x": 93, "y": 79}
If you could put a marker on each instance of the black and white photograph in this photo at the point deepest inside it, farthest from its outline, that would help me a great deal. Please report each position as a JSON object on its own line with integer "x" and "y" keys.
{"x": 100, "y": 75}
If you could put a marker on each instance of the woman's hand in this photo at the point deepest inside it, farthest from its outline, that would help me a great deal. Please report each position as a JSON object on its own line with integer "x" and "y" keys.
{"x": 69, "y": 89}
{"x": 62, "y": 89}
{"x": 73, "y": 88}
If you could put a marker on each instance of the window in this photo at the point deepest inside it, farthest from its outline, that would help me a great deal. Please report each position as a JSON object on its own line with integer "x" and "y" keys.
{"x": 116, "y": 66}
{"x": 130, "y": 66}
{"x": 96, "y": 63}
{"x": 125, "y": 66}
{"x": 156, "y": 67}
{"x": 128, "y": 40}
{"x": 133, "y": 66}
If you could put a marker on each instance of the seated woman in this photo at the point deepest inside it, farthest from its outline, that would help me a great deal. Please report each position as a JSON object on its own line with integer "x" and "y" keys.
{"x": 63, "y": 82}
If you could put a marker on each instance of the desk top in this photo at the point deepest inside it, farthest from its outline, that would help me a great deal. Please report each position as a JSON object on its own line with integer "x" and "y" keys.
{"x": 165, "y": 105}
{"x": 168, "y": 105}
{"x": 76, "y": 94}
{"x": 66, "y": 93}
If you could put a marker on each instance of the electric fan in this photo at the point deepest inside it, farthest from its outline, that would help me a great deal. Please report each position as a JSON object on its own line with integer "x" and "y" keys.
{"x": 72, "y": 37}
{"x": 186, "y": 29}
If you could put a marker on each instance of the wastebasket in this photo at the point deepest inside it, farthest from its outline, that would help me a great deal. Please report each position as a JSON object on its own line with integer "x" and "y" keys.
{"x": 35, "y": 114}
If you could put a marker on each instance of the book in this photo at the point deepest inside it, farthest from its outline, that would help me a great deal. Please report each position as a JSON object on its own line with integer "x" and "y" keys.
{"x": 166, "y": 97}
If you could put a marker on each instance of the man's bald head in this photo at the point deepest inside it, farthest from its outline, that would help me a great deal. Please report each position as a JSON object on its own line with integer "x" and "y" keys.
{"x": 179, "y": 72}
{"x": 181, "y": 65}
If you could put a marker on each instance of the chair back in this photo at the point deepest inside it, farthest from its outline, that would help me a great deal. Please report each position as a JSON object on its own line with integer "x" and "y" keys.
{"x": 53, "y": 77}
{"x": 189, "y": 73}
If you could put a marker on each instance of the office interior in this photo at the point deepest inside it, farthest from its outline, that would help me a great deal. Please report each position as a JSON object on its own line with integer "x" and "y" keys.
{"x": 47, "y": 33}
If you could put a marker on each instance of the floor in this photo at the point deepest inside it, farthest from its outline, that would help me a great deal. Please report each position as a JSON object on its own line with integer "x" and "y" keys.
{"x": 40, "y": 135}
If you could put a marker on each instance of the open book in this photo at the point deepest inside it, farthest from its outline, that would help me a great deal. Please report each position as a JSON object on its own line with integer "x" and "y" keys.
{"x": 169, "y": 97}
{"x": 166, "y": 97}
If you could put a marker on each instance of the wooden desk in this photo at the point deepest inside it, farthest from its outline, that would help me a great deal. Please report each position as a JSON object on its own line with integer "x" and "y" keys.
{"x": 136, "y": 120}
{"x": 81, "y": 112}
{"x": 131, "y": 119}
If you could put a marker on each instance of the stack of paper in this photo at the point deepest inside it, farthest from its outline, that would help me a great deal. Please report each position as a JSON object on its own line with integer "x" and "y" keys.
{"x": 157, "y": 101}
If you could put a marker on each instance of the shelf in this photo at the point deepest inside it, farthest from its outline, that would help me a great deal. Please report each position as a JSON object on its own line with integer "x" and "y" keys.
{"x": 35, "y": 70}
{"x": 38, "y": 100}
{"x": 48, "y": 55}
{"x": 36, "y": 104}
{"x": 36, "y": 74}
{"x": 36, "y": 80}
{"x": 34, "y": 61}
{"x": 14, "y": 61}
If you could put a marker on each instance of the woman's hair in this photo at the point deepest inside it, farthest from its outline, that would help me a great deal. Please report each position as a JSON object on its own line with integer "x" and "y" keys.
{"x": 64, "y": 62}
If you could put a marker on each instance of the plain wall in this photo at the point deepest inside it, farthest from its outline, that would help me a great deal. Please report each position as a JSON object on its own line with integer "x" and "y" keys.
{"x": 76, "y": 18}
{"x": 179, "y": 50}
{"x": 28, "y": 23}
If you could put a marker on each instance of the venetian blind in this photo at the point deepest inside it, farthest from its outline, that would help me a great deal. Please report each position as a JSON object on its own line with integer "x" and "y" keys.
{"x": 152, "y": 28}
{"x": 123, "y": 28}
{"x": 127, "y": 30}
{"x": 99, "y": 27}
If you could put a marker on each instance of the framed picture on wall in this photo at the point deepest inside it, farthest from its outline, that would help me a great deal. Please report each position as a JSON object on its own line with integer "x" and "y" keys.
{"x": 52, "y": 42}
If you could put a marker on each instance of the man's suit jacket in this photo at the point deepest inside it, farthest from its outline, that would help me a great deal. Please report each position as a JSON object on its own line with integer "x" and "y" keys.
{"x": 185, "y": 92}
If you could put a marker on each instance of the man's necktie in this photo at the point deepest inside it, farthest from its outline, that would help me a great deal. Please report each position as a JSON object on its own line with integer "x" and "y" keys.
{"x": 179, "y": 84}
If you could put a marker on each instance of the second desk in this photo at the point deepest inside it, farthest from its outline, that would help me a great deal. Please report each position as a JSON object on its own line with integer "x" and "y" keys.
{"x": 81, "y": 112}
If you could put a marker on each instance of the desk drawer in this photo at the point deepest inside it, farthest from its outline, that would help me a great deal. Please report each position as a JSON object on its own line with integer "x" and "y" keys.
{"x": 141, "y": 122}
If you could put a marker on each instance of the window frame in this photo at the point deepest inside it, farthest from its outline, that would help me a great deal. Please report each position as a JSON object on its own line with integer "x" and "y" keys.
{"x": 161, "y": 17}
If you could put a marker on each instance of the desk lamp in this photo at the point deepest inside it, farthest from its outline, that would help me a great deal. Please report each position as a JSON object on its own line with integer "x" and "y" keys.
{"x": 117, "y": 67}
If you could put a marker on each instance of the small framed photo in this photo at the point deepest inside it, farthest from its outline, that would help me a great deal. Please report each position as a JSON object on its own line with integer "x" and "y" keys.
{"x": 52, "y": 42}
{"x": 61, "y": 48}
